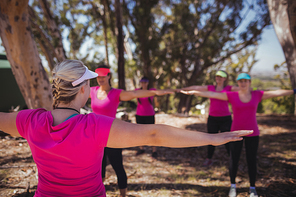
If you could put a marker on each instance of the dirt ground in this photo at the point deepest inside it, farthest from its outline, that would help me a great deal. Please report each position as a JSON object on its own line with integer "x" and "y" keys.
{"x": 177, "y": 172}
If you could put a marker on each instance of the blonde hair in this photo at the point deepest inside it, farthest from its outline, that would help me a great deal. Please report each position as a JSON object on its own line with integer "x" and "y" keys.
{"x": 63, "y": 75}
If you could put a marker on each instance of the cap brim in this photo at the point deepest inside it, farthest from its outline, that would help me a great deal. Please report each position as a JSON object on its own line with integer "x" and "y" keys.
{"x": 88, "y": 74}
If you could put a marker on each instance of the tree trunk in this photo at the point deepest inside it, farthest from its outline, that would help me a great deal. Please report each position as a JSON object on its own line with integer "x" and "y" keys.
{"x": 120, "y": 46}
{"x": 283, "y": 17}
{"x": 105, "y": 31}
{"x": 54, "y": 31}
{"x": 23, "y": 55}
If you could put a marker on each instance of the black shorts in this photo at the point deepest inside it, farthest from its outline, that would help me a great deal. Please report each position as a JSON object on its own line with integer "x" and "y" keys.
{"x": 145, "y": 119}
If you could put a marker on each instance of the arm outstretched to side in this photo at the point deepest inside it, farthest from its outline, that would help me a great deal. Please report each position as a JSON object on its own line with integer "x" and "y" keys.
{"x": 8, "y": 123}
{"x": 276, "y": 93}
{"x": 123, "y": 134}
{"x": 129, "y": 95}
{"x": 208, "y": 94}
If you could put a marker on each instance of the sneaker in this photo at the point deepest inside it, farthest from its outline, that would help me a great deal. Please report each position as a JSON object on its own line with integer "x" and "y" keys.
{"x": 232, "y": 192}
{"x": 253, "y": 193}
{"x": 207, "y": 163}
{"x": 154, "y": 155}
{"x": 140, "y": 152}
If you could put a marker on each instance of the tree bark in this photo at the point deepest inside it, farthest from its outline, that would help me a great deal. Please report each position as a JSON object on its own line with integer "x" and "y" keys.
{"x": 105, "y": 31}
{"x": 54, "y": 31}
{"x": 23, "y": 55}
{"x": 120, "y": 46}
{"x": 283, "y": 17}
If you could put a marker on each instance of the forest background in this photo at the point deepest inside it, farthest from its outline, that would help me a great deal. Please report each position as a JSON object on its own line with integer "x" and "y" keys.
{"x": 174, "y": 43}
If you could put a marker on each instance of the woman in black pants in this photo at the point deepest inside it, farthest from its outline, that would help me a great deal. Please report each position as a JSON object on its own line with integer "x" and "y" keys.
{"x": 145, "y": 113}
{"x": 219, "y": 115}
{"x": 104, "y": 101}
{"x": 244, "y": 106}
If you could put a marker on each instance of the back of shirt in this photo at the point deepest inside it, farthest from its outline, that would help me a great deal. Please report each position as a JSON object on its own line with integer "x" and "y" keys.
{"x": 68, "y": 156}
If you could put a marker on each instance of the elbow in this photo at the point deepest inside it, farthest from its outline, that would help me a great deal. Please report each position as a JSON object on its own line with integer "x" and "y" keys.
{"x": 154, "y": 138}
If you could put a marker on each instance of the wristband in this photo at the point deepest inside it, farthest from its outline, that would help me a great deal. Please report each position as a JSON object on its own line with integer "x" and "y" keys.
{"x": 294, "y": 91}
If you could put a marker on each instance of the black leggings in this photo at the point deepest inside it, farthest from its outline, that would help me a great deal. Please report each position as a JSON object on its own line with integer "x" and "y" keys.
{"x": 216, "y": 124}
{"x": 115, "y": 158}
{"x": 251, "y": 146}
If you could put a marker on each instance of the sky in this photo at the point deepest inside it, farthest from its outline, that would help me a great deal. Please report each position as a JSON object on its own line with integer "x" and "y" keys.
{"x": 269, "y": 53}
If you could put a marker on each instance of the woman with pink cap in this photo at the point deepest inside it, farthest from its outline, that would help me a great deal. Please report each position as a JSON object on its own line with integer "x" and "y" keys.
{"x": 68, "y": 147}
{"x": 244, "y": 104}
{"x": 219, "y": 115}
{"x": 104, "y": 101}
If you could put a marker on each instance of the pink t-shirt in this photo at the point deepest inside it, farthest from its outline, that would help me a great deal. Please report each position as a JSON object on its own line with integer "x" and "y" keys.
{"x": 68, "y": 156}
{"x": 145, "y": 108}
{"x": 107, "y": 106}
{"x": 244, "y": 114}
{"x": 218, "y": 107}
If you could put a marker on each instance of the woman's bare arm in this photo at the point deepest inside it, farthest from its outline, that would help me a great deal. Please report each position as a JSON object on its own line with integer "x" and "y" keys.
{"x": 199, "y": 88}
{"x": 8, "y": 123}
{"x": 276, "y": 93}
{"x": 129, "y": 95}
{"x": 124, "y": 134}
{"x": 208, "y": 94}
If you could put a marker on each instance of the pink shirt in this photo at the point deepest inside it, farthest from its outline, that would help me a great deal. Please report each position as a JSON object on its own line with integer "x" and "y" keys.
{"x": 107, "y": 106}
{"x": 68, "y": 155}
{"x": 145, "y": 108}
{"x": 244, "y": 114}
{"x": 218, "y": 107}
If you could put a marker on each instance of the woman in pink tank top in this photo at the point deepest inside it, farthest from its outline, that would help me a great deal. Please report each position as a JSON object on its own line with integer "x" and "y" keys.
{"x": 219, "y": 115}
{"x": 244, "y": 106}
{"x": 145, "y": 113}
{"x": 68, "y": 147}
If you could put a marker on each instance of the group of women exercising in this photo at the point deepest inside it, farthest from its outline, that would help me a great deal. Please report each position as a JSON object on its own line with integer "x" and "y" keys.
{"x": 77, "y": 145}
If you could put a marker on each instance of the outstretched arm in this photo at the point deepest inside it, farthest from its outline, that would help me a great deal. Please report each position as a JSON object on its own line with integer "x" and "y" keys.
{"x": 8, "y": 123}
{"x": 129, "y": 95}
{"x": 275, "y": 93}
{"x": 208, "y": 94}
{"x": 199, "y": 88}
{"x": 123, "y": 134}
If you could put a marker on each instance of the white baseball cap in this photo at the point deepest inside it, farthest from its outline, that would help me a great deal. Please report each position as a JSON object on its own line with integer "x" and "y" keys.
{"x": 88, "y": 74}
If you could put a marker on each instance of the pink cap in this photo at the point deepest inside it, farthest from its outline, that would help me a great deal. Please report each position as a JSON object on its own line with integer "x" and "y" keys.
{"x": 103, "y": 71}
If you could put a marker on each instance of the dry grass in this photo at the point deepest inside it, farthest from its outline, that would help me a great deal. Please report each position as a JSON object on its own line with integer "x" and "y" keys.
{"x": 179, "y": 172}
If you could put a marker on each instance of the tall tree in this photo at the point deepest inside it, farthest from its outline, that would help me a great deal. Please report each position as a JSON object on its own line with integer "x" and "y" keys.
{"x": 120, "y": 45}
{"x": 23, "y": 55}
{"x": 283, "y": 17}
{"x": 54, "y": 31}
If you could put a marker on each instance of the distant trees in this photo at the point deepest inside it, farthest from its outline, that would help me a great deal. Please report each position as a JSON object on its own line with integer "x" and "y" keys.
{"x": 174, "y": 43}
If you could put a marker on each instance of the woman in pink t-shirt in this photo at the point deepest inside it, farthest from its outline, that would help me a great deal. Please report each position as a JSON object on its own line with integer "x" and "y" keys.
{"x": 244, "y": 106}
{"x": 219, "y": 115}
{"x": 104, "y": 101}
{"x": 68, "y": 147}
{"x": 145, "y": 113}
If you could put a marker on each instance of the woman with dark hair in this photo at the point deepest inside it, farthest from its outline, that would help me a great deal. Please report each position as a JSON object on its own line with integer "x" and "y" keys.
{"x": 145, "y": 113}
{"x": 244, "y": 104}
{"x": 104, "y": 101}
{"x": 219, "y": 115}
